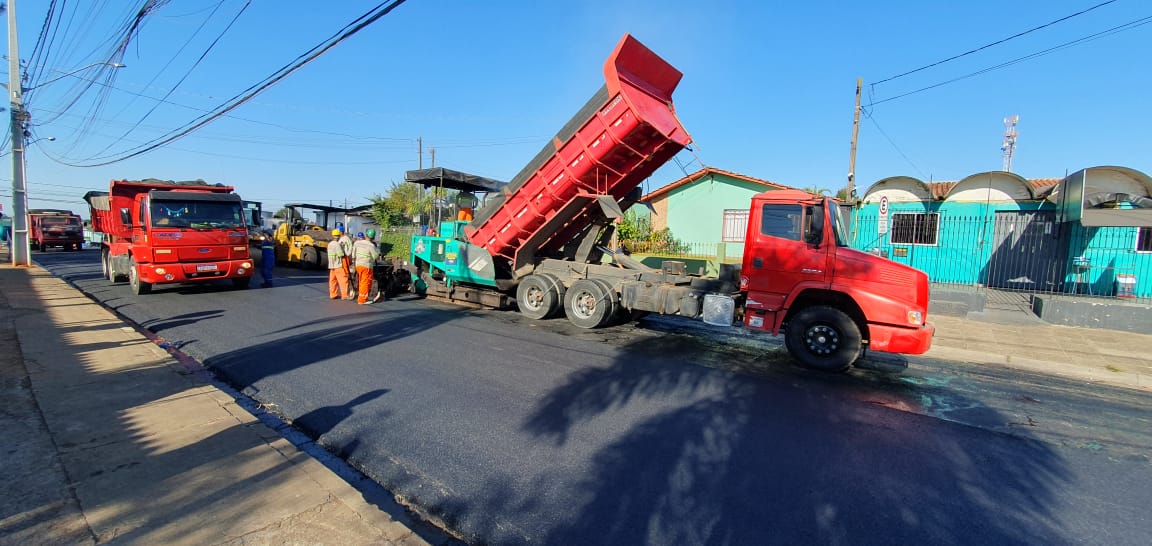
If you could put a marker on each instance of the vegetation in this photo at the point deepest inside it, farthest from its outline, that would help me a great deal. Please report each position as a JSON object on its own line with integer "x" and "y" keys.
{"x": 636, "y": 234}
{"x": 403, "y": 202}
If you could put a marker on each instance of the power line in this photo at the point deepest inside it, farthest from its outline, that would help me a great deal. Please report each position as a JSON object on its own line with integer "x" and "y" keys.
{"x": 1120, "y": 28}
{"x": 871, "y": 118}
{"x": 998, "y": 42}
{"x": 236, "y": 101}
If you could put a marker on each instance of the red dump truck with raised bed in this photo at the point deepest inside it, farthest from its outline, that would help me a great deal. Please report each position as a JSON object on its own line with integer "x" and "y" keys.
{"x": 540, "y": 241}
{"x": 162, "y": 231}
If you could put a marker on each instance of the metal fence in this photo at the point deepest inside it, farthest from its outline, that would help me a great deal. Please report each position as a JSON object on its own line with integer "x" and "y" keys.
{"x": 722, "y": 252}
{"x": 1027, "y": 251}
{"x": 1019, "y": 251}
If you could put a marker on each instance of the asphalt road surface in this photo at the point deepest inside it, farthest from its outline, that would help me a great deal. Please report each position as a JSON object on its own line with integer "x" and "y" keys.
{"x": 510, "y": 431}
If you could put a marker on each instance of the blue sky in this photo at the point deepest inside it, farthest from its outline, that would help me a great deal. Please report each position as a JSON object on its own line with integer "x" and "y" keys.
{"x": 768, "y": 90}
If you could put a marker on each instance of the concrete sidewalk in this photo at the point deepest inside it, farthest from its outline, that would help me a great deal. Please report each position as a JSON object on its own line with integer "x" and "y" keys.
{"x": 110, "y": 439}
{"x": 1021, "y": 341}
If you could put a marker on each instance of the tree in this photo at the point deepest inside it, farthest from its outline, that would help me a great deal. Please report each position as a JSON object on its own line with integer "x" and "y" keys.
{"x": 816, "y": 190}
{"x": 403, "y": 202}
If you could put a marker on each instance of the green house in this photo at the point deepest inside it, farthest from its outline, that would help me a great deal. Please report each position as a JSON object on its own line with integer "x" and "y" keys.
{"x": 707, "y": 208}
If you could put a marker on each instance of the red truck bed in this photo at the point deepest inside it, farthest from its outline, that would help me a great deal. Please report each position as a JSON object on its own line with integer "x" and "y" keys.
{"x": 624, "y": 133}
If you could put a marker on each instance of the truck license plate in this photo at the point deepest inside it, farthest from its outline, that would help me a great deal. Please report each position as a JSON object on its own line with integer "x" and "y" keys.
{"x": 206, "y": 267}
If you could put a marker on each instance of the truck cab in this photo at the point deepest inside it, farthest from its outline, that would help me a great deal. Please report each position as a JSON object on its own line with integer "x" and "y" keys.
{"x": 832, "y": 301}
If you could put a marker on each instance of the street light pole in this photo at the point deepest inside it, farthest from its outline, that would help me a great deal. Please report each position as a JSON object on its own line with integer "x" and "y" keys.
{"x": 20, "y": 248}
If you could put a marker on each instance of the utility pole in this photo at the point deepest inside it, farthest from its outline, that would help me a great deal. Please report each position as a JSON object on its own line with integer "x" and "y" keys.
{"x": 420, "y": 153}
{"x": 20, "y": 248}
{"x": 432, "y": 150}
{"x": 855, "y": 133}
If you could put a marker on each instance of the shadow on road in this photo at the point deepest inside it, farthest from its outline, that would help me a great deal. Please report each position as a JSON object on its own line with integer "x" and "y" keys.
{"x": 755, "y": 462}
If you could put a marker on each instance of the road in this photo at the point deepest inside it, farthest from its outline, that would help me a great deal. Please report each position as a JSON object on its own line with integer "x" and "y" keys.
{"x": 510, "y": 431}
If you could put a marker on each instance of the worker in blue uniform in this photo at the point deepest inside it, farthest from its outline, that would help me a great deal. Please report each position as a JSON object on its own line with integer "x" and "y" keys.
{"x": 267, "y": 258}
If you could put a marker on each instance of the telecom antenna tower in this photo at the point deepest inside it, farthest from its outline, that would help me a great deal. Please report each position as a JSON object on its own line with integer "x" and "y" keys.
{"x": 1009, "y": 145}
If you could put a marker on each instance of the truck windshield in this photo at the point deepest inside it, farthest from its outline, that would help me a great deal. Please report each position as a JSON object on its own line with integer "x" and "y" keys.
{"x": 197, "y": 214}
{"x": 60, "y": 221}
{"x": 838, "y": 227}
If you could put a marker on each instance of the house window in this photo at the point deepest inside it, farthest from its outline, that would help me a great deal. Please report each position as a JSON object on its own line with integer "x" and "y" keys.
{"x": 735, "y": 225}
{"x": 914, "y": 228}
{"x": 1144, "y": 240}
{"x": 781, "y": 221}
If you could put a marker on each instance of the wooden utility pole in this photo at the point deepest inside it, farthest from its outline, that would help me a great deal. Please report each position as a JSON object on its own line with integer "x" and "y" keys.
{"x": 855, "y": 134}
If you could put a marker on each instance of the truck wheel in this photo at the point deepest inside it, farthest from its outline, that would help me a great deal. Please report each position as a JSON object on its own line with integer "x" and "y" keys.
{"x": 139, "y": 287}
{"x": 109, "y": 271}
{"x": 587, "y": 304}
{"x": 241, "y": 283}
{"x": 823, "y": 338}
{"x": 612, "y": 300}
{"x": 537, "y": 296}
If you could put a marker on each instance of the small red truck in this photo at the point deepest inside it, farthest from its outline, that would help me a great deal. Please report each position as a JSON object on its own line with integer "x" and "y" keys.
{"x": 541, "y": 240}
{"x": 160, "y": 231}
{"x": 55, "y": 227}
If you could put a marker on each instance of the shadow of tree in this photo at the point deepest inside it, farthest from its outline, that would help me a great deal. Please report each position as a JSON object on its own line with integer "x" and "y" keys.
{"x": 757, "y": 462}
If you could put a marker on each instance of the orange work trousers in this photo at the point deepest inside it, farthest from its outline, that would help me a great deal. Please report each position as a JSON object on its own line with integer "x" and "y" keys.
{"x": 364, "y": 276}
{"x": 338, "y": 283}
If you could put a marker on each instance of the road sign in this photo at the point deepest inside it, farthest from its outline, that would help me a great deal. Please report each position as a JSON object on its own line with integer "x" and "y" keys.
{"x": 882, "y": 222}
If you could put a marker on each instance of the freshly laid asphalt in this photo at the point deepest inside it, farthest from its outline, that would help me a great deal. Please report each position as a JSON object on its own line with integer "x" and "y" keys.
{"x": 112, "y": 439}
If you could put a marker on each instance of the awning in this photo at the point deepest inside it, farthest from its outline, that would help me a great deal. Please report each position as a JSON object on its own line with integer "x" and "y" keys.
{"x": 446, "y": 178}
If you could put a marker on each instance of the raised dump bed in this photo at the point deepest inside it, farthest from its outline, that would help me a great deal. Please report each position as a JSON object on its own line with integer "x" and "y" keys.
{"x": 624, "y": 133}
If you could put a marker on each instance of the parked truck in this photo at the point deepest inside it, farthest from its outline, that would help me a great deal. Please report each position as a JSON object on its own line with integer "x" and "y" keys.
{"x": 160, "y": 231}
{"x": 541, "y": 240}
{"x": 55, "y": 228}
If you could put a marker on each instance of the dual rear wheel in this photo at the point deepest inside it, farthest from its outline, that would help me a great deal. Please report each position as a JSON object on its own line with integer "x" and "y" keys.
{"x": 588, "y": 303}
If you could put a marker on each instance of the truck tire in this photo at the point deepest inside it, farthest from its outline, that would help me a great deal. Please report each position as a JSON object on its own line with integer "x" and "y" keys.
{"x": 588, "y": 304}
{"x": 823, "y": 338}
{"x": 611, "y": 300}
{"x": 109, "y": 271}
{"x": 241, "y": 283}
{"x": 537, "y": 297}
{"x": 139, "y": 287}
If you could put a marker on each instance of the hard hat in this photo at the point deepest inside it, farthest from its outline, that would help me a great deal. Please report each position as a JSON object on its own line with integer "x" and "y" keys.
{"x": 336, "y": 232}
{"x": 371, "y": 233}
{"x": 360, "y": 235}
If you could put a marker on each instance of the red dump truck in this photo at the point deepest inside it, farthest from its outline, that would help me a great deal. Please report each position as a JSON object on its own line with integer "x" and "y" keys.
{"x": 55, "y": 227}
{"x": 541, "y": 240}
{"x": 161, "y": 231}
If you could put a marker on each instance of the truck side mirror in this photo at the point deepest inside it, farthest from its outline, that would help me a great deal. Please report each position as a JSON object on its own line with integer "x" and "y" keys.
{"x": 125, "y": 217}
{"x": 814, "y": 226}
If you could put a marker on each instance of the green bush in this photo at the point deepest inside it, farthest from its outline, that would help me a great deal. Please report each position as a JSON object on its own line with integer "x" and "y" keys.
{"x": 398, "y": 244}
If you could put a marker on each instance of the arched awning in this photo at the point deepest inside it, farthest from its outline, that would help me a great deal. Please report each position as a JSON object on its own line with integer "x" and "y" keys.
{"x": 993, "y": 185}
{"x": 913, "y": 188}
{"x": 1094, "y": 196}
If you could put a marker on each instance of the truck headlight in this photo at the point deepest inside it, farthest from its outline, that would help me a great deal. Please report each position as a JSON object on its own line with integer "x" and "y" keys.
{"x": 915, "y": 317}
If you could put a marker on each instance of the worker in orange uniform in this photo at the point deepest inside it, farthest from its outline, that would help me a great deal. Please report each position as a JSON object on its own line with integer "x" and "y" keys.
{"x": 364, "y": 255}
{"x": 345, "y": 243}
{"x": 337, "y": 270}
{"x": 465, "y": 204}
